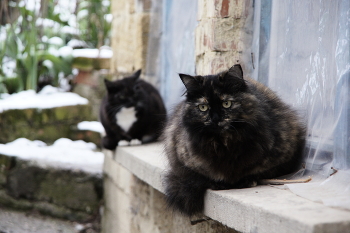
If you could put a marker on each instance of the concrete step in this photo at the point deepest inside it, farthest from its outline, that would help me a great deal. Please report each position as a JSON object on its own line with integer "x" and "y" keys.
{"x": 54, "y": 185}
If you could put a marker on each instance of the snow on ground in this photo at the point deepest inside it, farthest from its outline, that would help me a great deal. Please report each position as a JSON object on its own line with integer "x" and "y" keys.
{"x": 103, "y": 52}
{"x": 48, "y": 97}
{"x": 64, "y": 154}
{"x": 92, "y": 126}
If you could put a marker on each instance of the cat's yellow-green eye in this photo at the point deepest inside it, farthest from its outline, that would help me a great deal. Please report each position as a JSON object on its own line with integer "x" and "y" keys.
{"x": 226, "y": 104}
{"x": 203, "y": 107}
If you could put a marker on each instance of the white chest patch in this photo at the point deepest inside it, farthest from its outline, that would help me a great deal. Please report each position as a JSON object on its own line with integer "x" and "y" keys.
{"x": 125, "y": 118}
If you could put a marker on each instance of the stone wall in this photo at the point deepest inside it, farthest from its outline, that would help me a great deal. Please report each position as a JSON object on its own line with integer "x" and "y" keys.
{"x": 222, "y": 34}
{"x": 132, "y": 205}
{"x": 60, "y": 193}
{"x": 130, "y": 28}
{"x": 46, "y": 125}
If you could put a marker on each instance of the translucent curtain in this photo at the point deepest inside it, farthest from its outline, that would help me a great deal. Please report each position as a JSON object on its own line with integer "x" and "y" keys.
{"x": 305, "y": 59}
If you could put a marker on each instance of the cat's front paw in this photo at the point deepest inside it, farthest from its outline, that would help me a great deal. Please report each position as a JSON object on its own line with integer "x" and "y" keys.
{"x": 123, "y": 143}
{"x": 133, "y": 142}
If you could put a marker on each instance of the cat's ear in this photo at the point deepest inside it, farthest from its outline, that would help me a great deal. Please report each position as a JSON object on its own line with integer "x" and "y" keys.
{"x": 137, "y": 74}
{"x": 235, "y": 71}
{"x": 107, "y": 83}
{"x": 189, "y": 81}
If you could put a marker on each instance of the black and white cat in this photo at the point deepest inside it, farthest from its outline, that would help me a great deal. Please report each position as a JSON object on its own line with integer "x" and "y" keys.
{"x": 131, "y": 109}
{"x": 229, "y": 132}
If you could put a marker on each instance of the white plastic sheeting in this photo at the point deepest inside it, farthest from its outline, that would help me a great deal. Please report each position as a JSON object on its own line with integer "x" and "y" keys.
{"x": 303, "y": 54}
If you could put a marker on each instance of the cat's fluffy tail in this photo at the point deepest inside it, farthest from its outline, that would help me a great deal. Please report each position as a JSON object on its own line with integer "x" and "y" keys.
{"x": 185, "y": 191}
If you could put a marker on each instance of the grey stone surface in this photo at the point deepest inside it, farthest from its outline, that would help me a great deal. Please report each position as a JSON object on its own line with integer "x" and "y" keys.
{"x": 259, "y": 209}
{"x": 20, "y": 222}
{"x": 132, "y": 205}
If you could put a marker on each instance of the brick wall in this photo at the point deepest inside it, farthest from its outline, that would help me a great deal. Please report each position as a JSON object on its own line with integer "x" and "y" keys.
{"x": 221, "y": 34}
{"x": 130, "y": 28}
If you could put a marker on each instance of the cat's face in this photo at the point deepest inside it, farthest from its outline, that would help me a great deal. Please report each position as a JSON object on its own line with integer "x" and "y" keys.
{"x": 124, "y": 92}
{"x": 217, "y": 103}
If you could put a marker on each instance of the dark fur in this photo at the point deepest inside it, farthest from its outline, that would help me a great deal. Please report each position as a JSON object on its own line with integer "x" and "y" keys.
{"x": 257, "y": 137}
{"x": 131, "y": 92}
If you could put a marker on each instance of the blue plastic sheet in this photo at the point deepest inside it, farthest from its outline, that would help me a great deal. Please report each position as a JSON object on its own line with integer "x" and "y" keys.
{"x": 171, "y": 45}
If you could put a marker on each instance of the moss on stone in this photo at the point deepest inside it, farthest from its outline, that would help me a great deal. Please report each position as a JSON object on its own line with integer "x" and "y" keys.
{"x": 74, "y": 191}
{"x": 47, "y": 125}
{"x": 10, "y": 202}
{"x": 83, "y": 63}
{"x": 67, "y": 194}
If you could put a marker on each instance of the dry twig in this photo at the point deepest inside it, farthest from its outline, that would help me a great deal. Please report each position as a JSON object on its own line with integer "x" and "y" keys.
{"x": 284, "y": 181}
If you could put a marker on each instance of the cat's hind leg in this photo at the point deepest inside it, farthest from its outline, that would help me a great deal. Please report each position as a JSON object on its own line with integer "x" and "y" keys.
{"x": 185, "y": 190}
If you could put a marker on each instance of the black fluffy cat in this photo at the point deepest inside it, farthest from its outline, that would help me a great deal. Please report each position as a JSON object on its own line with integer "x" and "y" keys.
{"x": 132, "y": 109}
{"x": 229, "y": 132}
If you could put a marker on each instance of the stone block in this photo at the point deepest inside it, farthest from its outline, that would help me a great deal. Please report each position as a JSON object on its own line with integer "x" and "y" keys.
{"x": 226, "y": 8}
{"x": 65, "y": 194}
{"x": 202, "y": 10}
{"x": 6, "y": 163}
{"x": 23, "y": 181}
{"x": 219, "y": 35}
{"x": 74, "y": 190}
{"x": 130, "y": 29}
{"x": 215, "y": 62}
{"x": 46, "y": 125}
{"x": 143, "y": 5}
{"x": 117, "y": 210}
{"x": 90, "y": 85}
{"x": 44, "y": 208}
{"x": 86, "y": 135}
{"x": 120, "y": 176}
{"x": 130, "y": 51}
{"x": 144, "y": 210}
{"x": 10, "y": 202}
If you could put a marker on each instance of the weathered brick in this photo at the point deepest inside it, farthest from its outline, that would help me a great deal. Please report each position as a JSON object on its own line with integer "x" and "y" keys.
{"x": 218, "y": 35}
{"x": 130, "y": 29}
{"x": 214, "y": 62}
{"x": 227, "y": 8}
{"x": 202, "y": 10}
{"x": 221, "y": 34}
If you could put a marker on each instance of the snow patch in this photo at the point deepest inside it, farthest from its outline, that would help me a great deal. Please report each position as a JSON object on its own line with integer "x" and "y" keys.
{"x": 92, "y": 126}
{"x": 65, "y": 51}
{"x": 49, "y": 97}
{"x": 76, "y": 43}
{"x": 64, "y": 154}
{"x": 56, "y": 41}
{"x": 103, "y": 52}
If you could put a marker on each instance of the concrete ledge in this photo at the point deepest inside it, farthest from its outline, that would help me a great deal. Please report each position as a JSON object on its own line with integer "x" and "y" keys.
{"x": 258, "y": 209}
